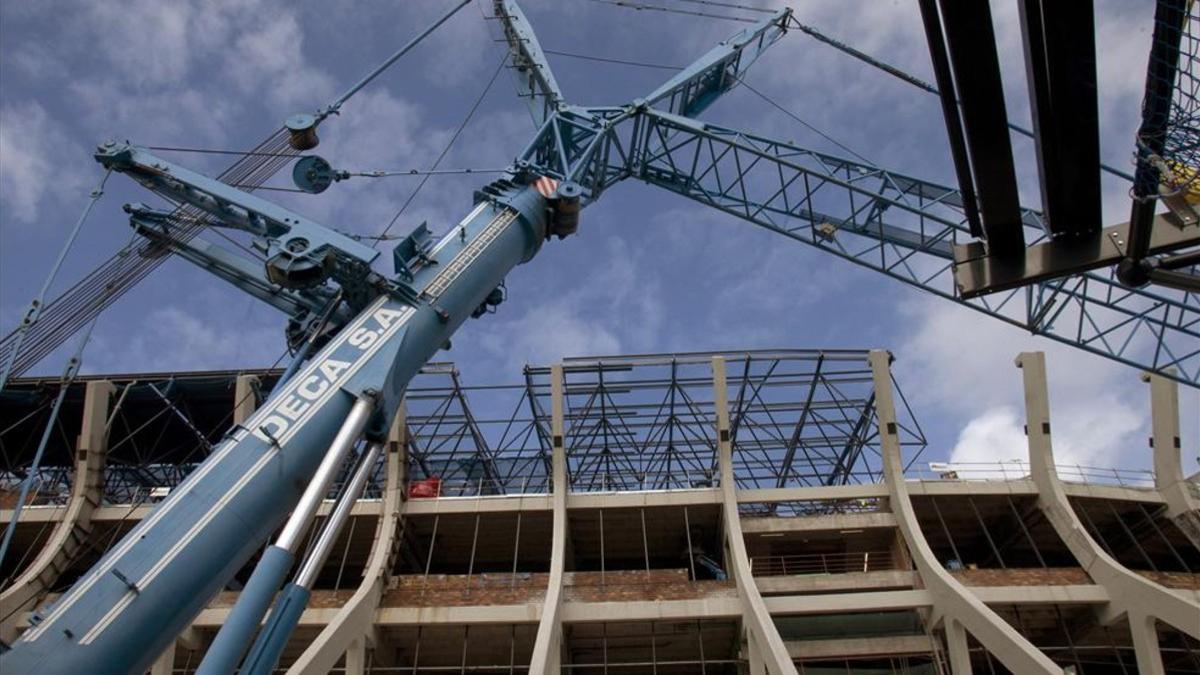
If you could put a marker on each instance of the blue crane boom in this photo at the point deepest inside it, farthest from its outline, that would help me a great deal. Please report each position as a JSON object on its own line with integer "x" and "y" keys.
{"x": 120, "y": 615}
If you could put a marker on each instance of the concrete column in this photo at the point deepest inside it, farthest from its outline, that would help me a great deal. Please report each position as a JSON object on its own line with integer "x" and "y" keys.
{"x": 956, "y": 643}
{"x": 547, "y": 646}
{"x": 1129, "y": 593}
{"x": 754, "y": 656}
{"x": 1182, "y": 507}
{"x": 1144, "y": 632}
{"x": 244, "y": 397}
{"x": 73, "y": 530}
{"x": 165, "y": 664}
{"x": 353, "y": 622}
{"x": 356, "y": 657}
{"x": 764, "y": 640}
{"x": 952, "y": 601}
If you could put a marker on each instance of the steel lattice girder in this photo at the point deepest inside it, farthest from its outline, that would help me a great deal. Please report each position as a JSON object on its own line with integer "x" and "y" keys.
{"x": 901, "y": 226}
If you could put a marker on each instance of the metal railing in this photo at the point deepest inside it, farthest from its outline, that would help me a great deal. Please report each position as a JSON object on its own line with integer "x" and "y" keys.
{"x": 820, "y": 563}
{"x": 801, "y": 508}
{"x": 1018, "y": 469}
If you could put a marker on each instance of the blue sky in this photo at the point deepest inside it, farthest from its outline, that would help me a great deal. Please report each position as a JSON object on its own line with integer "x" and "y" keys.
{"x": 649, "y": 271}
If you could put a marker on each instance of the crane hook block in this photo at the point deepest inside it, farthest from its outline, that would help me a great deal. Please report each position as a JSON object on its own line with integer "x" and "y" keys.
{"x": 312, "y": 174}
{"x": 302, "y": 131}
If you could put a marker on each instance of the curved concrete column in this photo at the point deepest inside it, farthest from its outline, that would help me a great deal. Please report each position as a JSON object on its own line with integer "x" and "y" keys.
{"x": 353, "y": 622}
{"x": 1129, "y": 593}
{"x": 952, "y": 602}
{"x": 72, "y": 531}
{"x": 547, "y": 646}
{"x": 764, "y": 643}
{"x": 1182, "y": 506}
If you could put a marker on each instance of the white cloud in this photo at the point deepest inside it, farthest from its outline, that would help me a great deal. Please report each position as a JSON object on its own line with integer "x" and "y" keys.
{"x": 149, "y": 42}
{"x": 550, "y": 333}
{"x": 178, "y": 340}
{"x": 35, "y": 159}
{"x": 996, "y": 438}
{"x": 268, "y": 58}
{"x": 619, "y": 309}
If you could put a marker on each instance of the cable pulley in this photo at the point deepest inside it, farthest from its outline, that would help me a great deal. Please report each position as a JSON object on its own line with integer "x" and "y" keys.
{"x": 314, "y": 174}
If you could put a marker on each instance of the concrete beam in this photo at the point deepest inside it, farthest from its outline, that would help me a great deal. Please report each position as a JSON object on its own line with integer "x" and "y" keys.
{"x": 353, "y": 621}
{"x": 212, "y": 618}
{"x": 712, "y": 607}
{"x": 645, "y": 498}
{"x": 818, "y": 492}
{"x": 526, "y": 613}
{"x": 75, "y": 526}
{"x": 764, "y": 637}
{"x": 721, "y": 607}
{"x": 1027, "y": 488}
{"x": 1182, "y": 507}
{"x": 978, "y": 488}
{"x": 830, "y": 583}
{"x": 1129, "y": 593}
{"x": 896, "y": 645}
{"x": 547, "y": 645}
{"x": 1113, "y": 492}
{"x": 473, "y": 505}
{"x": 950, "y": 598}
{"x": 825, "y": 523}
{"x": 1083, "y": 594}
{"x": 837, "y": 603}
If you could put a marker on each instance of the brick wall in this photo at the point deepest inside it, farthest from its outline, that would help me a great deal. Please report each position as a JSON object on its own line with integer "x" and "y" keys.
{"x": 459, "y": 590}
{"x": 1174, "y": 579}
{"x": 640, "y": 585}
{"x": 320, "y": 599}
{"x": 1025, "y": 576}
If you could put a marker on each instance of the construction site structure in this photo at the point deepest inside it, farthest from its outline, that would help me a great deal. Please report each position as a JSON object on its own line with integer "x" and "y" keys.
{"x": 358, "y": 335}
{"x": 718, "y": 513}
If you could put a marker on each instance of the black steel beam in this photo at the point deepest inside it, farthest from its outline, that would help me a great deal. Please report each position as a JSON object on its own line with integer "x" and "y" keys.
{"x": 1060, "y": 62}
{"x": 977, "y": 273}
{"x": 971, "y": 45}
{"x": 954, "y": 130}
{"x": 1180, "y": 281}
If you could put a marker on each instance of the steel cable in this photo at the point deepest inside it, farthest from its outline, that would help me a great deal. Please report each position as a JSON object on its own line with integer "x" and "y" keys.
{"x": 83, "y": 301}
{"x": 446, "y": 150}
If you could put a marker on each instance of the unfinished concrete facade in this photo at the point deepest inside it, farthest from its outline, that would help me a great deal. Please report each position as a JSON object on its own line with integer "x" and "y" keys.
{"x": 738, "y": 512}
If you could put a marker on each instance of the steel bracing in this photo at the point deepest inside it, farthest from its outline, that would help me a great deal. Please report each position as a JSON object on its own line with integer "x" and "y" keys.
{"x": 799, "y": 418}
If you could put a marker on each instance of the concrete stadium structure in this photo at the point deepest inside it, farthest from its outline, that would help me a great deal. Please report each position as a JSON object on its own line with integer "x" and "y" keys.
{"x": 733, "y": 512}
